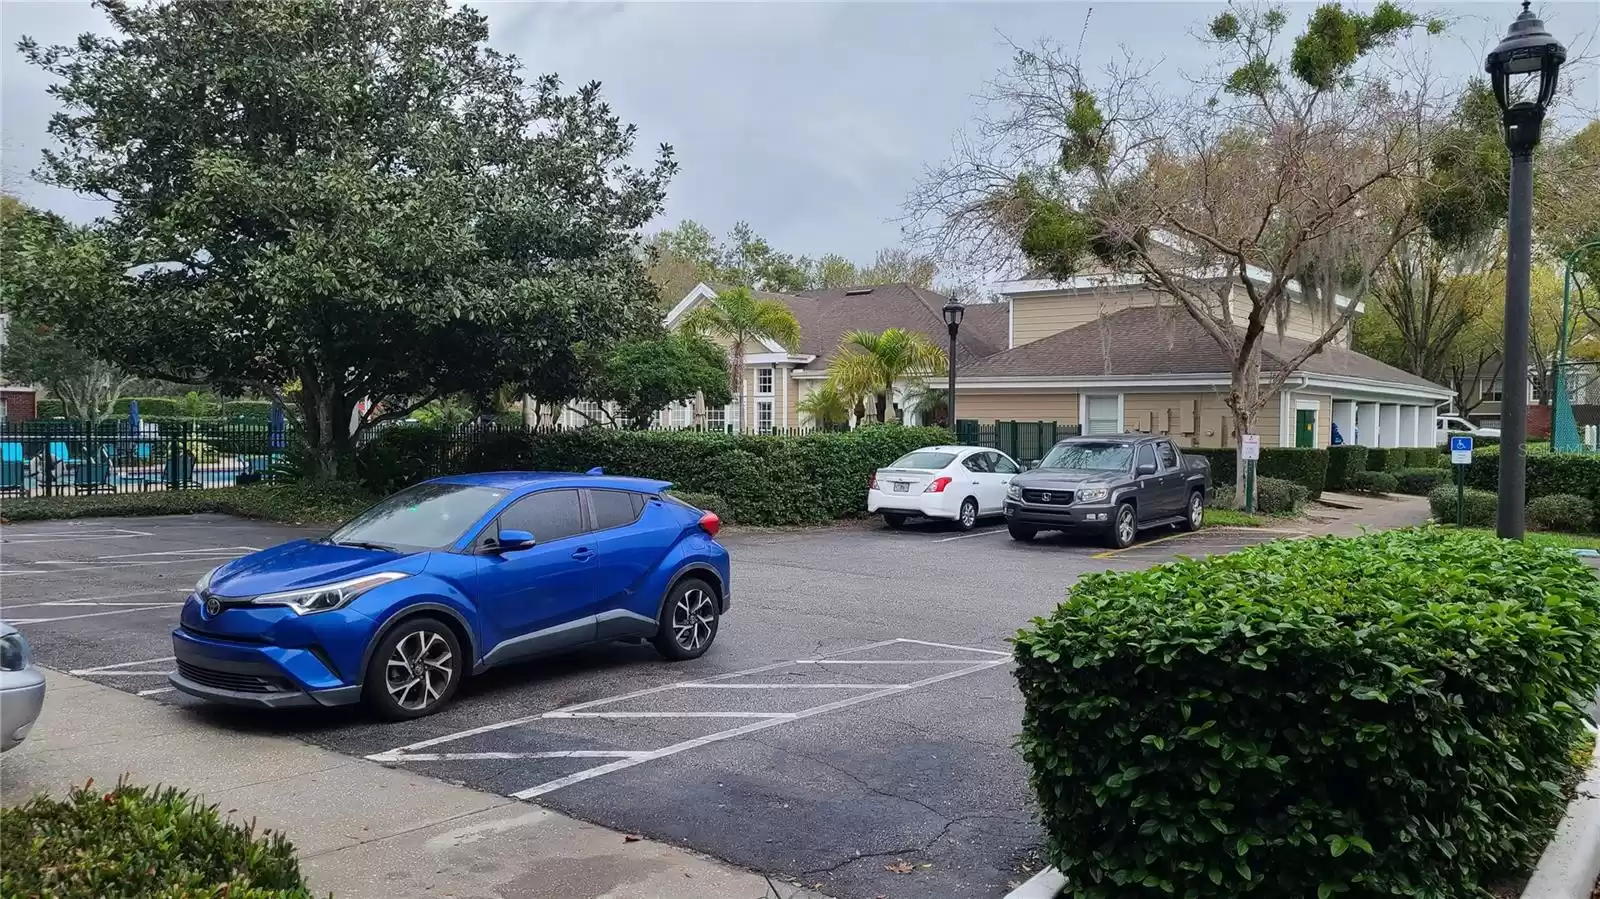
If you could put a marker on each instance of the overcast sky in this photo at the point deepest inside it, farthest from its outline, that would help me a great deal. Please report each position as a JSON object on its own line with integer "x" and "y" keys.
{"x": 811, "y": 121}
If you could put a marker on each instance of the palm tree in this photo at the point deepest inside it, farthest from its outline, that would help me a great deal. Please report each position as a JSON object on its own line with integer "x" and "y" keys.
{"x": 827, "y": 407}
{"x": 878, "y": 361}
{"x": 739, "y": 316}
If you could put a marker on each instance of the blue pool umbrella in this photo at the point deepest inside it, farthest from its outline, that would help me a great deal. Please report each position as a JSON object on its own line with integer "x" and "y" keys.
{"x": 275, "y": 428}
{"x": 133, "y": 417}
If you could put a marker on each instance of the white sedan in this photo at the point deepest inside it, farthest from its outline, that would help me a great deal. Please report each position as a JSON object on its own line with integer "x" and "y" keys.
{"x": 955, "y": 483}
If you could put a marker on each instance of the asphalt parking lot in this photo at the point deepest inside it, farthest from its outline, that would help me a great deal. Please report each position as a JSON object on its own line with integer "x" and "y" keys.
{"x": 851, "y": 729}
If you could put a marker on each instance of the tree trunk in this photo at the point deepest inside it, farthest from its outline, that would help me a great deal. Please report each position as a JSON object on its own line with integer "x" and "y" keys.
{"x": 326, "y": 414}
{"x": 736, "y": 382}
{"x": 1244, "y": 401}
{"x": 883, "y": 408}
{"x": 529, "y": 415}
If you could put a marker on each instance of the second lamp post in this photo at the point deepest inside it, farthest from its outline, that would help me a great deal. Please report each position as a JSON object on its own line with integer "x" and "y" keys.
{"x": 953, "y": 311}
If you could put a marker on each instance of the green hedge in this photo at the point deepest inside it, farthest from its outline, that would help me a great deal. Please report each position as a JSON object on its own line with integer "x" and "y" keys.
{"x": 1305, "y": 466}
{"x": 1561, "y": 512}
{"x": 1375, "y": 482}
{"x": 1343, "y": 461}
{"x": 1548, "y": 473}
{"x": 1387, "y": 458}
{"x": 293, "y": 503}
{"x": 1275, "y": 496}
{"x": 1478, "y": 506}
{"x": 136, "y": 841}
{"x": 1419, "y": 481}
{"x": 709, "y": 502}
{"x": 1421, "y": 456}
{"x": 764, "y": 480}
{"x": 1394, "y": 724}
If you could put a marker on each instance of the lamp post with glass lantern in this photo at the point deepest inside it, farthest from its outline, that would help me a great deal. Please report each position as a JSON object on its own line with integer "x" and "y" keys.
{"x": 953, "y": 311}
{"x": 1533, "y": 57}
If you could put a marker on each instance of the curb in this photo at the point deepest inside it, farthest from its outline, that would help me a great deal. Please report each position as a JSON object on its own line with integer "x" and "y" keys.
{"x": 1571, "y": 862}
{"x": 1045, "y": 885}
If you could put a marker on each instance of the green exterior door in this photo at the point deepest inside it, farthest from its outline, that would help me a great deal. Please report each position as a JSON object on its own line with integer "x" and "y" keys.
{"x": 1305, "y": 427}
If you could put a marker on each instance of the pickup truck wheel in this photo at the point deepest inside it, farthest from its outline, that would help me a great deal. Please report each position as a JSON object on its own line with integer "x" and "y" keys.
{"x": 1124, "y": 528}
{"x": 1195, "y": 512}
{"x": 1022, "y": 533}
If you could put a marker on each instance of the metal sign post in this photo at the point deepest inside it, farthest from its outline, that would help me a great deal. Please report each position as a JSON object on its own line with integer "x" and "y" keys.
{"x": 1250, "y": 451}
{"x": 1461, "y": 457}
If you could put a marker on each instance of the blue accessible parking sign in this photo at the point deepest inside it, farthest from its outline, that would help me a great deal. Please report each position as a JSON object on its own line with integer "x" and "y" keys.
{"x": 1461, "y": 449}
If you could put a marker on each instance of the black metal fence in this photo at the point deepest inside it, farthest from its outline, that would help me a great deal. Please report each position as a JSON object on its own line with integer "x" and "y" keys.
{"x": 1025, "y": 441}
{"x": 62, "y": 458}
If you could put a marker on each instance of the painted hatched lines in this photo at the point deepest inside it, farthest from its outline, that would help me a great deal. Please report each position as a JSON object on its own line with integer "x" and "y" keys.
{"x": 758, "y": 719}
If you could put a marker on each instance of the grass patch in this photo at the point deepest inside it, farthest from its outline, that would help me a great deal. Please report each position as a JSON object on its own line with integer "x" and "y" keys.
{"x": 288, "y": 503}
{"x": 1232, "y": 518}
{"x": 1557, "y": 540}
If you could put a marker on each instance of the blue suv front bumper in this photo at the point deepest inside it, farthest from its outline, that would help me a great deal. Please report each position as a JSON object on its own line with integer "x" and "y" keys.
{"x": 265, "y": 657}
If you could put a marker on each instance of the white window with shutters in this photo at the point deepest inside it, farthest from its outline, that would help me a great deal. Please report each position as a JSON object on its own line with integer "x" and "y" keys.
{"x": 1102, "y": 414}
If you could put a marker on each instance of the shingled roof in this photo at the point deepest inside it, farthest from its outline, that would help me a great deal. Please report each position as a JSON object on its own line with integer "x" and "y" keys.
{"x": 825, "y": 316}
{"x": 1164, "y": 340}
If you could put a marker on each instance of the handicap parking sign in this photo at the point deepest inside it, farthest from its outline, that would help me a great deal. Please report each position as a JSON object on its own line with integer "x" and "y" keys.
{"x": 1460, "y": 449}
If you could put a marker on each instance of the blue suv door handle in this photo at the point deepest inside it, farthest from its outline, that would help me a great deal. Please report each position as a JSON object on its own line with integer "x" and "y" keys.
{"x": 583, "y": 554}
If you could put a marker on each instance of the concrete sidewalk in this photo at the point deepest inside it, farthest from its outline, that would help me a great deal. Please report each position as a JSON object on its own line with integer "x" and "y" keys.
{"x": 362, "y": 830}
{"x": 1364, "y": 513}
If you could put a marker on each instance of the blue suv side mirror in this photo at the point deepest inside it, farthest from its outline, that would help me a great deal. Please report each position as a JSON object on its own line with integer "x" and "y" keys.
{"x": 511, "y": 541}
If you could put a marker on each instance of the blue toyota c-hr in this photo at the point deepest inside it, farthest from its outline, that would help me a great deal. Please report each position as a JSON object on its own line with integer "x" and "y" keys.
{"x": 448, "y": 578}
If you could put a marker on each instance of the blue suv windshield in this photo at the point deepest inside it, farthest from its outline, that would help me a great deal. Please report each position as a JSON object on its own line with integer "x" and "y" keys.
{"x": 1089, "y": 457}
{"x": 426, "y": 516}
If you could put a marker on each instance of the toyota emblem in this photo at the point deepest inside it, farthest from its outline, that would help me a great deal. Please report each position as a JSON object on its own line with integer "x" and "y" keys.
{"x": 213, "y": 606}
{"x": 1045, "y": 497}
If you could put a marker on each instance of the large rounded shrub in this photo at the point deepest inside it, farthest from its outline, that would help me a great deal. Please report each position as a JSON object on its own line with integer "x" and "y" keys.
{"x": 1372, "y": 716}
{"x": 1478, "y": 506}
{"x": 1374, "y": 482}
{"x": 1560, "y": 512}
{"x": 137, "y": 841}
{"x": 1418, "y": 481}
{"x": 1280, "y": 497}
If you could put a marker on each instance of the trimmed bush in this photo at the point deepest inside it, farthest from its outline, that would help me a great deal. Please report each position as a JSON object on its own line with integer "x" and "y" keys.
{"x": 1478, "y": 506}
{"x": 764, "y": 480}
{"x": 1386, "y": 458}
{"x": 1343, "y": 461}
{"x": 1383, "y": 715}
{"x": 1561, "y": 512}
{"x": 1222, "y": 497}
{"x": 1421, "y": 456}
{"x": 1275, "y": 496}
{"x": 137, "y": 841}
{"x": 293, "y": 503}
{"x": 1548, "y": 472}
{"x": 1418, "y": 481}
{"x": 1478, "y": 441}
{"x": 1374, "y": 482}
{"x": 1305, "y": 466}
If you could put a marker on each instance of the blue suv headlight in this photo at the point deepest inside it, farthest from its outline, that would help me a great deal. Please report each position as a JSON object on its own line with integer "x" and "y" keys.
{"x": 329, "y": 596}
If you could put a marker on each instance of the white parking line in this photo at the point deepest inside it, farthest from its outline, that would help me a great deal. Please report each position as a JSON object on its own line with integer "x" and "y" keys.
{"x": 970, "y": 536}
{"x": 164, "y": 605}
{"x": 206, "y": 550}
{"x": 697, "y": 742}
{"x": 155, "y": 691}
{"x": 63, "y": 536}
{"x": 95, "y": 600}
{"x": 81, "y": 671}
{"x": 506, "y": 756}
{"x": 761, "y": 719}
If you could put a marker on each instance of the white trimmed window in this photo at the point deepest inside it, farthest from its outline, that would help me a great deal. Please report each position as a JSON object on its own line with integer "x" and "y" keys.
{"x": 1102, "y": 414}
{"x": 764, "y": 417}
{"x": 764, "y": 381}
{"x": 717, "y": 418}
{"x": 682, "y": 415}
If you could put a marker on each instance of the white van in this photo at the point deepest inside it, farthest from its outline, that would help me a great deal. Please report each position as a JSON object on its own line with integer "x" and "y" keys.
{"x": 1445, "y": 425}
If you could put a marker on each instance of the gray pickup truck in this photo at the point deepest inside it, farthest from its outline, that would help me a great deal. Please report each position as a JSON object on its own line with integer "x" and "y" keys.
{"x": 1113, "y": 485}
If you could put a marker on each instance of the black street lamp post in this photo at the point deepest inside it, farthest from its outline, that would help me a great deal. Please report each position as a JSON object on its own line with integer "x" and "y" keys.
{"x": 1528, "y": 52}
{"x": 953, "y": 311}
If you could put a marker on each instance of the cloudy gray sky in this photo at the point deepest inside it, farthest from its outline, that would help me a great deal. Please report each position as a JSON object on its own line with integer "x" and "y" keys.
{"x": 812, "y": 120}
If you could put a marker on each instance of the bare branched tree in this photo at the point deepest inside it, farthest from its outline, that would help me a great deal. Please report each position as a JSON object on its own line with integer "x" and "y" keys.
{"x": 1279, "y": 184}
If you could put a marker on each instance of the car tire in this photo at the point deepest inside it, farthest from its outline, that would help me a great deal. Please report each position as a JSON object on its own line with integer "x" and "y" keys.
{"x": 1195, "y": 512}
{"x": 427, "y": 651}
{"x": 689, "y": 620}
{"x": 1022, "y": 534}
{"x": 894, "y": 520}
{"x": 1124, "y": 527}
{"x": 967, "y": 515}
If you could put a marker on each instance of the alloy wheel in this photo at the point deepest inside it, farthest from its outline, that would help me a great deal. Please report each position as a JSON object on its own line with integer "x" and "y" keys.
{"x": 969, "y": 514}
{"x": 1196, "y": 510}
{"x": 693, "y": 619}
{"x": 1125, "y": 530}
{"x": 419, "y": 670}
